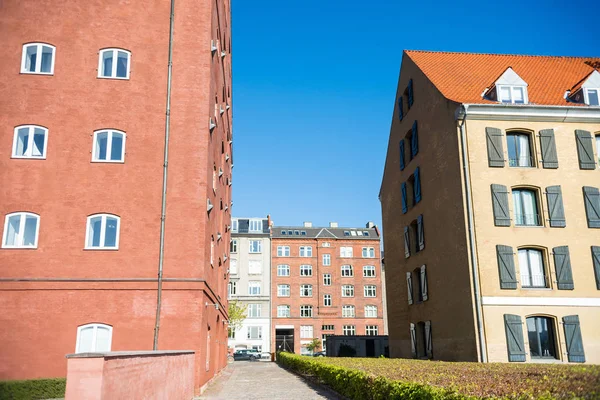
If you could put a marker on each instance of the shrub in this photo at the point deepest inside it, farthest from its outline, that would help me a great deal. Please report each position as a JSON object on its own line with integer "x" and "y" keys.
{"x": 33, "y": 389}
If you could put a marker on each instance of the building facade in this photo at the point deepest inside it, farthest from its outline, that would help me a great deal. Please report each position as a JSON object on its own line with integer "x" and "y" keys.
{"x": 100, "y": 251}
{"x": 324, "y": 281}
{"x": 250, "y": 282}
{"x": 491, "y": 209}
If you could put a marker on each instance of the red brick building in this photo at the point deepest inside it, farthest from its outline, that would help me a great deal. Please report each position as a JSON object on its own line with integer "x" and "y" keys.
{"x": 324, "y": 281}
{"x": 88, "y": 102}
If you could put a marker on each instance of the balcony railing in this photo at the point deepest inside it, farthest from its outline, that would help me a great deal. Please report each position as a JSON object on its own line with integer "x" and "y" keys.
{"x": 534, "y": 281}
{"x": 528, "y": 220}
{"x": 521, "y": 161}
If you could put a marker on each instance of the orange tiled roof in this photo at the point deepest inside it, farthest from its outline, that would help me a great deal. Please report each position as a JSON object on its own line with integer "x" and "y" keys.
{"x": 462, "y": 77}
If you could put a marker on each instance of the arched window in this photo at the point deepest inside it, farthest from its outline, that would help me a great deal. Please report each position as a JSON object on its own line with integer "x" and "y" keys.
{"x": 542, "y": 337}
{"x": 94, "y": 338}
{"x": 114, "y": 63}
{"x": 38, "y": 58}
{"x": 30, "y": 141}
{"x": 109, "y": 146}
{"x": 21, "y": 231}
{"x": 525, "y": 204}
{"x": 520, "y": 152}
{"x": 102, "y": 232}
{"x": 533, "y": 271}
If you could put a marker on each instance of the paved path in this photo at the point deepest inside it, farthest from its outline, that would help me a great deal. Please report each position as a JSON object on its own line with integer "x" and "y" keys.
{"x": 262, "y": 380}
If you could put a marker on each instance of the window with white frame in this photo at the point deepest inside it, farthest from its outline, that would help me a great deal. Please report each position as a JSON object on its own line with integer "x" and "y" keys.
{"x": 306, "y": 332}
{"x": 368, "y": 252}
{"x": 253, "y": 288}
{"x": 347, "y": 270}
{"x": 254, "y": 267}
{"x": 254, "y": 310}
{"x": 256, "y": 225}
{"x": 21, "y": 231}
{"x": 370, "y": 311}
{"x": 327, "y": 279}
{"x": 233, "y": 266}
{"x": 38, "y": 58}
{"x": 234, "y": 225}
{"x": 232, "y": 288}
{"x": 326, "y": 244}
{"x": 349, "y": 330}
{"x": 254, "y": 332}
{"x": 305, "y": 290}
{"x": 283, "y": 311}
{"x": 327, "y": 300}
{"x": 369, "y": 271}
{"x": 283, "y": 290}
{"x": 109, "y": 146}
{"x": 305, "y": 251}
{"x": 372, "y": 330}
{"x": 114, "y": 63}
{"x": 306, "y": 311}
{"x": 283, "y": 270}
{"x": 306, "y": 270}
{"x": 30, "y": 141}
{"x": 102, "y": 232}
{"x": 512, "y": 94}
{"x": 93, "y": 338}
{"x": 327, "y": 327}
{"x": 592, "y": 96}
{"x": 231, "y": 333}
{"x": 346, "y": 252}
{"x": 255, "y": 246}
{"x": 348, "y": 311}
{"x": 283, "y": 251}
{"x": 233, "y": 246}
{"x": 370, "y": 290}
{"x": 347, "y": 291}
{"x": 326, "y": 260}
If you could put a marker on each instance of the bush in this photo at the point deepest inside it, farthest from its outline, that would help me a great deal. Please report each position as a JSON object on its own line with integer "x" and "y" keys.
{"x": 33, "y": 389}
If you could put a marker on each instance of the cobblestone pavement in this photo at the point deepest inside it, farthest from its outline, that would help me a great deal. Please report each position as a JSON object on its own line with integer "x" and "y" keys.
{"x": 262, "y": 380}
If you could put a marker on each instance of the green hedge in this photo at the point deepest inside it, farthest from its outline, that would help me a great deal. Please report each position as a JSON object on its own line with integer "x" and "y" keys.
{"x": 33, "y": 389}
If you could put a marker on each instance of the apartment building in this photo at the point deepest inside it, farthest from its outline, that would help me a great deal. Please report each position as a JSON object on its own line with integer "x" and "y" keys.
{"x": 100, "y": 251}
{"x": 491, "y": 209}
{"x": 324, "y": 281}
{"x": 250, "y": 282}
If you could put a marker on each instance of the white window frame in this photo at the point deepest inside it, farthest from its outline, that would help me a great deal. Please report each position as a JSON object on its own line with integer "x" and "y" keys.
{"x": 306, "y": 332}
{"x": 254, "y": 310}
{"x": 349, "y": 330}
{"x": 254, "y": 285}
{"x": 369, "y": 251}
{"x": 29, "y": 150}
{"x": 350, "y": 288}
{"x": 115, "y": 51}
{"x": 367, "y": 290}
{"x": 587, "y": 98}
{"x": 512, "y": 93}
{"x": 251, "y": 329}
{"x": 258, "y": 249}
{"x": 306, "y": 270}
{"x": 234, "y": 225}
{"x": 281, "y": 289}
{"x": 306, "y": 309}
{"x": 307, "y": 286}
{"x": 305, "y": 251}
{"x": 111, "y": 133}
{"x": 102, "y": 232}
{"x": 233, "y": 248}
{"x": 371, "y": 311}
{"x": 233, "y": 269}
{"x": 326, "y": 260}
{"x": 19, "y": 237}
{"x": 348, "y": 311}
{"x": 95, "y": 326}
{"x": 371, "y": 330}
{"x": 283, "y": 270}
{"x": 38, "y": 61}
{"x": 327, "y": 300}
{"x": 326, "y": 279}
{"x": 252, "y": 267}
{"x": 256, "y": 222}
{"x": 232, "y": 288}
{"x": 369, "y": 268}
{"x": 346, "y": 252}
{"x": 283, "y": 311}
{"x": 283, "y": 251}
{"x": 347, "y": 271}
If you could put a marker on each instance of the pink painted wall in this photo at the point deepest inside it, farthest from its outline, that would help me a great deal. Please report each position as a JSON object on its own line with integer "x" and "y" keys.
{"x": 130, "y": 375}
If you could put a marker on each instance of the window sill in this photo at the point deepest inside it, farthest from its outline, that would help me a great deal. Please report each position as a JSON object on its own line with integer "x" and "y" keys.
{"x": 19, "y": 247}
{"x": 529, "y": 226}
{"x": 37, "y": 73}
{"x": 28, "y": 158}
{"x": 101, "y": 248}
{"x": 536, "y": 288}
{"x": 113, "y": 77}
{"x": 109, "y": 161}
{"x": 545, "y": 360}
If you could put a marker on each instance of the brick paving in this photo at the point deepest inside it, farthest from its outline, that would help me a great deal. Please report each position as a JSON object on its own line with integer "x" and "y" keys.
{"x": 262, "y": 380}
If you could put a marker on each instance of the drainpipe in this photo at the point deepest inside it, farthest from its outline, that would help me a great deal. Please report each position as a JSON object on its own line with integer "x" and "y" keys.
{"x": 472, "y": 244}
{"x": 163, "y": 212}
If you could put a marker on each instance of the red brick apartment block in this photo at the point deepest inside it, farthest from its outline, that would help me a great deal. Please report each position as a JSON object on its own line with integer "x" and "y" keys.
{"x": 84, "y": 117}
{"x": 324, "y": 281}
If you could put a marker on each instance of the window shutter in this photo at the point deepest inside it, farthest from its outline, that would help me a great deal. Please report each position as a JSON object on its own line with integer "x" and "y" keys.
{"x": 417, "y": 187}
{"x": 514, "y": 338}
{"x": 591, "y": 198}
{"x": 556, "y": 210}
{"x": 404, "y": 201}
{"x": 548, "y": 145}
{"x": 265, "y": 226}
{"x": 494, "y": 147}
{"x": 410, "y": 93}
{"x": 596, "y": 261}
{"x": 585, "y": 149}
{"x": 575, "y": 351}
{"x": 500, "y": 205}
{"x": 409, "y": 287}
{"x": 402, "y": 154}
{"x": 406, "y": 242}
{"x": 400, "y": 108}
{"x": 420, "y": 233}
{"x": 424, "y": 283}
{"x": 562, "y": 263}
{"x": 506, "y": 267}
{"x": 414, "y": 141}
{"x": 428, "y": 342}
{"x": 413, "y": 340}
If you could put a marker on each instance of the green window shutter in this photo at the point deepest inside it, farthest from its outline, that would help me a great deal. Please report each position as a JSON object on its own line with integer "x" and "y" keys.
{"x": 562, "y": 263}
{"x": 413, "y": 340}
{"x": 500, "y": 205}
{"x": 420, "y": 233}
{"x": 410, "y": 93}
{"x": 417, "y": 186}
{"x": 404, "y": 201}
{"x": 406, "y": 242}
{"x": 428, "y": 341}
{"x": 596, "y": 261}
{"x": 575, "y": 351}
{"x": 506, "y": 267}
{"x": 548, "y": 146}
{"x": 591, "y": 198}
{"x": 556, "y": 211}
{"x": 495, "y": 148}
{"x": 585, "y": 149}
{"x": 409, "y": 287}
{"x": 514, "y": 338}
{"x": 402, "y": 155}
{"x": 400, "y": 108}
{"x": 414, "y": 140}
{"x": 424, "y": 288}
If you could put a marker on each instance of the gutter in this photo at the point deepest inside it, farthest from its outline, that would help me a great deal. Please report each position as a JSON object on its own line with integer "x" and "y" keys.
{"x": 462, "y": 113}
{"x": 529, "y": 112}
{"x": 163, "y": 211}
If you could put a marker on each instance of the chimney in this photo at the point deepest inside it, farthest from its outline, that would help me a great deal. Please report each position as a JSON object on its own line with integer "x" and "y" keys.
{"x": 269, "y": 222}
{"x": 308, "y": 224}
{"x": 333, "y": 224}
{"x": 370, "y": 225}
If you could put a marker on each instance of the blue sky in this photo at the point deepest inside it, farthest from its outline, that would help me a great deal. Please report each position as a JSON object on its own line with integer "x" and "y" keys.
{"x": 314, "y": 83}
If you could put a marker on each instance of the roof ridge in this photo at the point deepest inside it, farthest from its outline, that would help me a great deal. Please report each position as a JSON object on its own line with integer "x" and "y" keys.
{"x": 498, "y": 54}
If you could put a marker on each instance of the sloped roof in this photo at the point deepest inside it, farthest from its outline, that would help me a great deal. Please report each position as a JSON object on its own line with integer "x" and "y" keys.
{"x": 462, "y": 77}
{"x": 323, "y": 232}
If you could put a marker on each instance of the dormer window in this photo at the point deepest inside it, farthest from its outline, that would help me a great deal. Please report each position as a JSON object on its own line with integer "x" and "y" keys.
{"x": 511, "y": 94}
{"x": 586, "y": 91}
{"x": 591, "y": 97}
{"x": 509, "y": 88}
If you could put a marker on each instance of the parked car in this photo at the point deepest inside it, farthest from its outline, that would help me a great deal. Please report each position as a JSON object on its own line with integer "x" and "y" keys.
{"x": 319, "y": 354}
{"x": 246, "y": 354}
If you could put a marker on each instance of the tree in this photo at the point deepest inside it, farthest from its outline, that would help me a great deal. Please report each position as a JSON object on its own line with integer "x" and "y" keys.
{"x": 314, "y": 345}
{"x": 237, "y": 314}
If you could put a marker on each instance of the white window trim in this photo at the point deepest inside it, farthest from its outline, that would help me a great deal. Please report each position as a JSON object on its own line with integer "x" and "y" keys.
{"x": 234, "y": 244}
{"x": 95, "y": 326}
{"x": 310, "y": 290}
{"x": 113, "y": 74}
{"x": 306, "y": 267}
{"x": 250, "y": 249}
{"x": 326, "y": 260}
{"x": 287, "y": 268}
{"x": 348, "y": 286}
{"x": 255, "y": 221}
{"x": 325, "y": 298}
{"x": 284, "y": 286}
{"x": 348, "y": 311}
{"x": 253, "y": 285}
{"x": 38, "y": 61}
{"x": 342, "y": 269}
{"x": 19, "y": 238}
{"x": 110, "y": 132}
{"x": 285, "y": 308}
{"x": 328, "y": 276}
{"x": 368, "y": 250}
{"x": 30, "y": 142}
{"x": 102, "y": 232}
{"x": 369, "y": 268}
{"x": 284, "y": 250}
{"x": 308, "y": 309}
{"x": 586, "y": 95}
{"x": 512, "y": 95}
{"x": 367, "y": 287}
{"x": 375, "y": 309}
